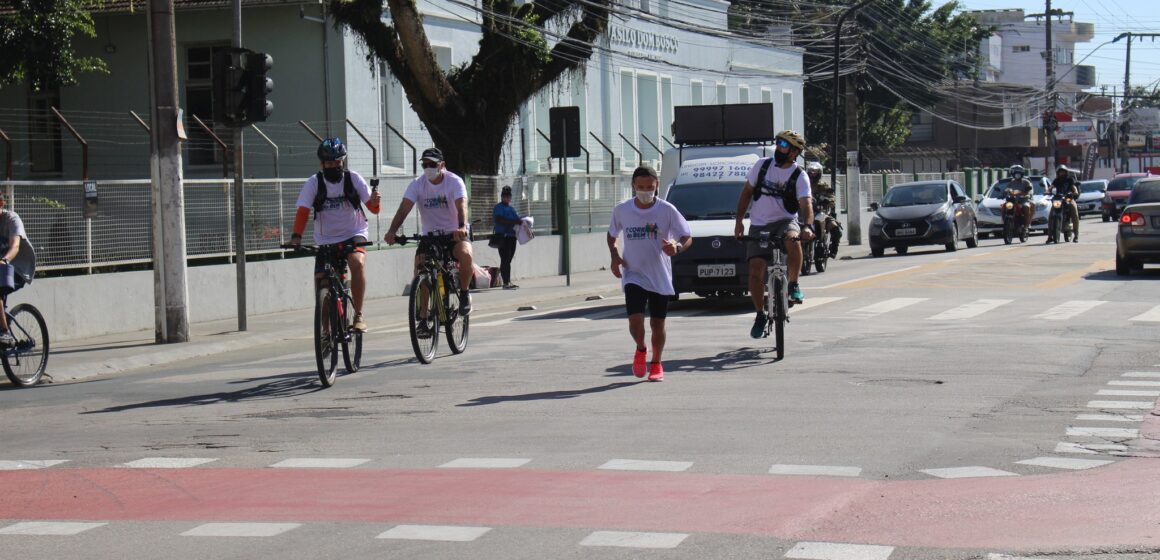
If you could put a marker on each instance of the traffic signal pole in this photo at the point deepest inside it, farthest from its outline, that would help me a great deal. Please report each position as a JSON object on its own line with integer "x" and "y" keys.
{"x": 239, "y": 192}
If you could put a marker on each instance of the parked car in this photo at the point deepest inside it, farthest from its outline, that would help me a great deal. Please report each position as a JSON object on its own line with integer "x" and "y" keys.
{"x": 923, "y": 213}
{"x": 1138, "y": 234}
{"x": 1091, "y": 195}
{"x": 991, "y": 213}
{"x": 1117, "y": 195}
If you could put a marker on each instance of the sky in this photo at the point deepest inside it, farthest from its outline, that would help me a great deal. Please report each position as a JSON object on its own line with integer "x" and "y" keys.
{"x": 1110, "y": 17}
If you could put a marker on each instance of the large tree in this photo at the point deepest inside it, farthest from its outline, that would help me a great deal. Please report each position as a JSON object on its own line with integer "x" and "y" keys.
{"x": 36, "y": 42}
{"x": 468, "y": 110}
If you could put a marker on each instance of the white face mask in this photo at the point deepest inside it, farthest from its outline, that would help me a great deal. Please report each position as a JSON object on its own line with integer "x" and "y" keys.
{"x": 432, "y": 173}
{"x": 646, "y": 197}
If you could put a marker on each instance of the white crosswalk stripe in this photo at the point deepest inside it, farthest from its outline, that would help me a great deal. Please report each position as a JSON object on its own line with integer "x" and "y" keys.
{"x": 969, "y": 310}
{"x": 1067, "y": 310}
{"x": 839, "y": 551}
{"x": 1151, "y": 315}
{"x": 886, "y": 306}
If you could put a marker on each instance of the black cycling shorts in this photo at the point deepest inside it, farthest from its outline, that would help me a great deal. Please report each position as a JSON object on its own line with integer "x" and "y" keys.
{"x": 320, "y": 260}
{"x": 636, "y": 299}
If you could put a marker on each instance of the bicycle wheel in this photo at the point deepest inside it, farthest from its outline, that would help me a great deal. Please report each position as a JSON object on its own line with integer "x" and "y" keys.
{"x": 807, "y": 257}
{"x": 24, "y": 363}
{"x": 325, "y": 349}
{"x": 423, "y": 318}
{"x": 351, "y": 349}
{"x": 822, "y": 255}
{"x": 781, "y": 296}
{"x": 456, "y": 324}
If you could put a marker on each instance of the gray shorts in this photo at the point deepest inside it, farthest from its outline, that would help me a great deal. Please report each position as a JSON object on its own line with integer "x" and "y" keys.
{"x": 776, "y": 229}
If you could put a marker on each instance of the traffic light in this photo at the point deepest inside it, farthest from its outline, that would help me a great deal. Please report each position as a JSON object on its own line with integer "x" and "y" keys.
{"x": 241, "y": 87}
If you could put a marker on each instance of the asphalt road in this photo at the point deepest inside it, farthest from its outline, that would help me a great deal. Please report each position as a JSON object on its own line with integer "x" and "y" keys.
{"x": 988, "y": 402}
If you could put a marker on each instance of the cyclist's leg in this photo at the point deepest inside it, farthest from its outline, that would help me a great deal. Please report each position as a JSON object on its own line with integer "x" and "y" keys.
{"x": 790, "y": 230}
{"x": 356, "y": 259}
{"x": 756, "y": 257}
{"x": 1073, "y": 210}
{"x": 461, "y": 250}
{"x": 1028, "y": 213}
{"x": 419, "y": 257}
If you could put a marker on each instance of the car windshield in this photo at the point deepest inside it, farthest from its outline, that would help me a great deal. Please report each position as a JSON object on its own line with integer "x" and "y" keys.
{"x": 1091, "y": 186}
{"x": 998, "y": 188}
{"x": 913, "y": 195}
{"x": 706, "y": 201}
{"x": 1145, "y": 193}
{"x": 1123, "y": 183}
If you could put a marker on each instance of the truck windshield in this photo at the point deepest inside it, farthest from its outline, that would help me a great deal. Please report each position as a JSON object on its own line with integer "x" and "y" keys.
{"x": 706, "y": 201}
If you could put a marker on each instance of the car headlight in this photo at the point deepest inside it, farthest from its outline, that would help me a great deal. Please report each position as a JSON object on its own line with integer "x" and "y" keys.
{"x": 1056, "y": 204}
{"x": 939, "y": 216}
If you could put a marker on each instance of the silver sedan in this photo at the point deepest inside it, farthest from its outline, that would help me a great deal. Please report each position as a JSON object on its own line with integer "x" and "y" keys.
{"x": 1138, "y": 234}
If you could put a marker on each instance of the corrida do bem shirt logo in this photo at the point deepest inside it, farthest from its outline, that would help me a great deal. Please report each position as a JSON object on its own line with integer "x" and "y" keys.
{"x": 647, "y": 231}
{"x": 435, "y": 202}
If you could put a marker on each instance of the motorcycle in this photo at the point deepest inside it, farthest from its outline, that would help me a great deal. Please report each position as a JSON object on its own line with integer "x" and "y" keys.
{"x": 818, "y": 252}
{"x": 1059, "y": 219}
{"x": 1014, "y": 219}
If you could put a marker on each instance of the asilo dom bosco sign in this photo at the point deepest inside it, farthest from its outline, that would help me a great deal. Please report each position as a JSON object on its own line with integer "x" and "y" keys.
{"x": 642, "y": 40}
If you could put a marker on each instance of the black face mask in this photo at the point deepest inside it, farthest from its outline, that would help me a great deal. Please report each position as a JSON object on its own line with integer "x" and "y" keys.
{"x": 780, "y": 157}
{"x": 332, "y": 174}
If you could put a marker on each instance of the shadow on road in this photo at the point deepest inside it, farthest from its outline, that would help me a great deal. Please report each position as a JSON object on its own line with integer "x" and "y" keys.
{"x": 281, "y": 386}
{"x": 1145, "y": 274}
{"x": 547, "y": 395}
{"x": 741, "y": 358}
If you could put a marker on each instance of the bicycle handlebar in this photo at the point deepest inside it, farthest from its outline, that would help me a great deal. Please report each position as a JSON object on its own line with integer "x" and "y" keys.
{"x": 404, "y": 239}
{"x": 316, "y": 248}
{"x": 770, "y": 238}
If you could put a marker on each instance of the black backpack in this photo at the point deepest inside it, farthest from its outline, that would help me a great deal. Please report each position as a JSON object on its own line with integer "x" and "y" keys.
{"x": 347, "y": 191}
{"x": 787, "y": 191}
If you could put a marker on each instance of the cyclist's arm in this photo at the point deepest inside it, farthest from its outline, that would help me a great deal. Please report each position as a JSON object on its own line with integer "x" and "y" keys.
{"x": 401, "y": 214}
{"x": 743, "y": 202}
{"x": 461, "y": 210}
{"x": 300, "y": 219}
{"x": 13, "y": 248}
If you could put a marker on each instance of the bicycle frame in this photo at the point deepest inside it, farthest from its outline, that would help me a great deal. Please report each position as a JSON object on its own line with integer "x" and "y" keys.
{"x": 435, "y": 266}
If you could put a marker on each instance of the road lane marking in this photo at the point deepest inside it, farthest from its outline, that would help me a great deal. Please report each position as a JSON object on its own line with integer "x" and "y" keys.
{"x": 34, "y": 464}
{"x": 484, "y": 463}
{"x": 813, "y": 302}
{"x": 451, "y": 533}
{"x": 1065, "y": 463}
{"x": 1122, "y": 393}
{"x": 1135, "y": 383}
{"x": 1103, "y": 432}
{"x": 887, "y": 306}
{"x": 240, "y": 529}
{"x": 1088, "y": 448}
{"x": 1141, "y": 374}
{"x": 864, "y": 278}
{"x": 54, "y": 528}
{"x": 1151, "y": 315}
{"x": 815, "y": 470}
{"x": 1111, "y": 417}
{"x": 538, "y": 314}
{"x": 315, "y": 463}
{"x": 1142, "y": 405}
{"x": 967, "y": 311}
{"x": 615, "y": 312}
{"x": 167, "y": 463}
{"x": 627, "y": 539}
{"x": 839, "y": 551}
{"x": 638, "y": 465}
{"x": 1069, "y": 309}
{"x": 1073, "y": 276}
{"x": 966, "y": 472}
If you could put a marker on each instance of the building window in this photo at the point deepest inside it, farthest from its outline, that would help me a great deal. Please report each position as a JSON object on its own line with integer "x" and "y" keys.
{"x": 666, "y": 110}
{"x": 200, "y": 149}
{"x": 721, "y": 100}
{"x": 580, "y": 99}
{"x": 648, "y": 115}
{"x": 394, "y": 149}
{"x": 44, "y": 150}
{"x": 627, "y": 116}
{"x": 442, "y": 55}
{"x": 743, "y": 94}
{"x": 787, "y": 109}
{"x": 766, "y": 95}
{"x": 696, "y": 92}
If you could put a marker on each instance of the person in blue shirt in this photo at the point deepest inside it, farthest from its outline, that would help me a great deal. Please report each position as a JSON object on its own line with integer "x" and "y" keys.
{"x": 506, "y": 221}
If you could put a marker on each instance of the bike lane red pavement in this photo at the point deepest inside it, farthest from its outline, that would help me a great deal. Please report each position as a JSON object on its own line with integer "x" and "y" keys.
{"x": 1113, "y": 506}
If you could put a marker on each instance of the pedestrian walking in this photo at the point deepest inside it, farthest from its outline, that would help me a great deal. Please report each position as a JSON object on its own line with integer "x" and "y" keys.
{"x": 654, "y": 230}
{"x": 504, "y": 235}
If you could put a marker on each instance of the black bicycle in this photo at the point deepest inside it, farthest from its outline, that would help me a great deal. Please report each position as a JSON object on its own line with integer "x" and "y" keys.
{"x": 434, "y": 301}
{"x": 777, "y": 302}
{"x": 333, "y": 314}
{"x": 25, "y": 360}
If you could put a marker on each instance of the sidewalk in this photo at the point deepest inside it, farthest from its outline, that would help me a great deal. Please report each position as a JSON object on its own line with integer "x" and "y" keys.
{"x": 118, "y": 352}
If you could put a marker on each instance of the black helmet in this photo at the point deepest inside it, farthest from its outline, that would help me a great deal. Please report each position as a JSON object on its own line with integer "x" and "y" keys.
{"x": 331, "y": 149}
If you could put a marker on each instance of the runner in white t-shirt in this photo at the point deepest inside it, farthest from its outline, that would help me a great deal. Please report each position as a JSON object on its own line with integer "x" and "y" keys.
{"x": 442, "y": 200}
{"x": 654, "y": 230}
{"x": 770, "y": 214}
{"x": 338, "y": 217}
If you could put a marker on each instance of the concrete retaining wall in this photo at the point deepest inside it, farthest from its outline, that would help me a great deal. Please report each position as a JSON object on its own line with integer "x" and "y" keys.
{"x": 85, "y": 306}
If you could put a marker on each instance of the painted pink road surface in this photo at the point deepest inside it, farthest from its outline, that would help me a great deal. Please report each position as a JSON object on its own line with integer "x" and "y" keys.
{"x": 1116, "y": 505}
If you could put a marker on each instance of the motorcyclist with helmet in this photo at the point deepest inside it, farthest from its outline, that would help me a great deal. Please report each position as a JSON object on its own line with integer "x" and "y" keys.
{"x": 825, "y": 201}
{"x": 1022, "y": 190}
{"x": 1065, "y": 185}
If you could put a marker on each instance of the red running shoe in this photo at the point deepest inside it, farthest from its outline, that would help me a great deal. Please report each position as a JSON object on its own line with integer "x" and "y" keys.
{"x": 638, "y": 362}
{"x": 656, "y": 372}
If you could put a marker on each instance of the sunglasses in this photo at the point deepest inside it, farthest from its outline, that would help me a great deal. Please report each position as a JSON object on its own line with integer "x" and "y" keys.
{"x": 429, "y": 164}
{"x": 782, "y": 143}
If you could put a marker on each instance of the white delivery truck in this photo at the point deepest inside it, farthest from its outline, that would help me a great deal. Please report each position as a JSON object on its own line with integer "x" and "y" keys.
{"x": 703, "y": 177}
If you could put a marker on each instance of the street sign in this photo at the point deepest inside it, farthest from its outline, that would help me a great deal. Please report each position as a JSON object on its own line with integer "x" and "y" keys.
{"x": 1076, "y": 130}
{"x": 564, "y": 131}
{"x": 90, "y": 207}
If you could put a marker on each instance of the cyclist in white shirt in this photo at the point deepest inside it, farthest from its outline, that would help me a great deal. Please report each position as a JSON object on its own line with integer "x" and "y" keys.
{"x": 783, "y": 187}
{"x": 654, "y": 230}
{"x": 442, "y": 199}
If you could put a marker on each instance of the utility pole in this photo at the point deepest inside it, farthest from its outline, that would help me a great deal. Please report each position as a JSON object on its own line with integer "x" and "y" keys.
{"x": 170, "y": 294}
{"x": 853, "y": 188}
{"x": 239, "y": 192}
{"x": 1123, "y": 123}
{"x": 1051, "y": 124}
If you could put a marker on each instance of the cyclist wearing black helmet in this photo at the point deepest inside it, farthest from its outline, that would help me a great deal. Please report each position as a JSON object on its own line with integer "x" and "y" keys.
{"x": 336, "y": 197}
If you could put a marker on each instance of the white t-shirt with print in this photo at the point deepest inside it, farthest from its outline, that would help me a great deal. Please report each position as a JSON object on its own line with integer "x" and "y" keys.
{"x": 437, "y": 202}
{"x": 645, "y": 230}
{"x": 338, "y": 220}
{"x": 769, "y": 209}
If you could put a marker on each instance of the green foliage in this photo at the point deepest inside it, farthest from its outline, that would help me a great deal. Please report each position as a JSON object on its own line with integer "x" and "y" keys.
{"x": 36, "y": 43}
{"x": 1142, "y": 97}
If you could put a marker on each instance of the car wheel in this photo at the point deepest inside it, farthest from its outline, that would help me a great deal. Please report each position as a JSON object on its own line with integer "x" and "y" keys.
{"x": 1122, "y": 268}
{"x": 953, "y": 244}
{"x": 877, "y": 251}
{"x": 901, "y": 249}
{"x": 1105, "y": 217}
{"x": 973, "y": 241}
